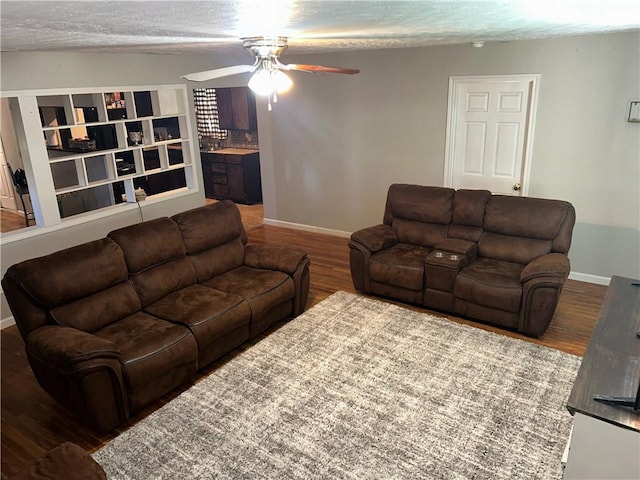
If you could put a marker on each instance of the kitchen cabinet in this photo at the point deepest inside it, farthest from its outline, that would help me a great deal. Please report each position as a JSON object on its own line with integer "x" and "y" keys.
{"x": 232, "y": 173}
{"x": 236, "y": 109}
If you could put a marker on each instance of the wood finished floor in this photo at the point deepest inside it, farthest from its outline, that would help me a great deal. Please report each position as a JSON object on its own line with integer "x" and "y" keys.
{"x": 11, "y": 221}
{"x": 33, "y": 423}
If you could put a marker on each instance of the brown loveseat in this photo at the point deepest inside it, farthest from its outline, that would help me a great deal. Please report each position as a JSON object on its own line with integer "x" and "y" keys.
{"x": 113, "y": 324}
{"x": 494, "y": 258}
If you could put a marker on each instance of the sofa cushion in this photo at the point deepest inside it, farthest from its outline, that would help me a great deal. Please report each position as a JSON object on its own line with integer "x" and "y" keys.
{"x": 419, "y": 233}
{"x": 468, "y": 214}
{"x": 526, "y": 217}
{"x": 401, "y": 265}
{"x": 156, "y": 258}
{"x": 262, "y": 289}
{"x": 195, "y": 226}
{"x": 213, "y": 251}
{"x": 66, "y": 283}
{"x": 161, "y": 280}
{"x": 156, "y": 355}
{"x": 419, "y": 203}
{"x": 468, "y": 207}
{"x": 98, "y": 310}
{"x": 209, "y": 314}
{"x": 217, "y": 260}
{"x": 70, "y": 274}
{"x": 491, "y": 283}
{"x": 512, "y": 249}
{"x": 150, "y": 243}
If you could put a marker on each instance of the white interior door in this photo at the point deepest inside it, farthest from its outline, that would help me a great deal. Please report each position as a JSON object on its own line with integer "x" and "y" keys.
{"x": 7, "y": 194}
{"x": 490, "y": 132}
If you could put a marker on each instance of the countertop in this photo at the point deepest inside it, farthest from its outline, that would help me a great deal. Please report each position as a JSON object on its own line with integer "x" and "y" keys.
{"x": 233, "y": 151}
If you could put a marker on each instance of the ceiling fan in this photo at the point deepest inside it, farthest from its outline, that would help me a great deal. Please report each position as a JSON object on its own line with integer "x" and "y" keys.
{"x": 269, "y": 78}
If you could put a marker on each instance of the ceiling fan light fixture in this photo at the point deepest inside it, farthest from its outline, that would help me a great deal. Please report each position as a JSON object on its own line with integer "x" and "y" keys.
{"x": 268, "y": 78}
{"x": 267, "y": 82}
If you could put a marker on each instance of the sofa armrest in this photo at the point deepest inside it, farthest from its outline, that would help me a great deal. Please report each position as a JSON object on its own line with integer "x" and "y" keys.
{"x": 275, "y": 257}
{"x": 362, "y": 244}
{"x": 65, "y": 347}
{"x": 290, "y": 260}
{"x": 81, "y": 371}
{"x": 550, "y": 266}
{"x": 375, "y": 238}
{"x": 542, "y": 281}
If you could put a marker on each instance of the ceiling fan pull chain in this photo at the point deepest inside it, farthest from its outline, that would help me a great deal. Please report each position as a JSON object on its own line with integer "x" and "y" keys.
{"x": 269, "y": 103}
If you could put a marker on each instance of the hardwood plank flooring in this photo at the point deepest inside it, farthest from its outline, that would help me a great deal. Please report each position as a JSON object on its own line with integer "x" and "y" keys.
{"x": 33, "y": 423}
{"x": 11, "y": 221}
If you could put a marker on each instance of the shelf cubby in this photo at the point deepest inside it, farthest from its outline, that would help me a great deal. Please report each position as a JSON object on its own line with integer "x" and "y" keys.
{"x": 115, "y": 140}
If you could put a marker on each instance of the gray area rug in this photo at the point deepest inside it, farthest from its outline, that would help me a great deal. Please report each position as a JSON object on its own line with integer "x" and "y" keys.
{"x": 358, "y": 388}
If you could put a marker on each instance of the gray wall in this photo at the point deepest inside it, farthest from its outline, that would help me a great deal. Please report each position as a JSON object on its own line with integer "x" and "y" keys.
{"x": 337, "y": 142}
{"x": 331, "y": 146}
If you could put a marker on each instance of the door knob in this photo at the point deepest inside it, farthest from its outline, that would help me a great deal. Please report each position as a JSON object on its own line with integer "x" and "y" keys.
{"x": 516, "y": 186}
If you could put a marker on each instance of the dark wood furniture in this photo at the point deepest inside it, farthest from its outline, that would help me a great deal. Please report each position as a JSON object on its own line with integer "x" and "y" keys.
{"x": 236, "y": 109}
{"x": 232, "y": 173}
{"x": 606, "y": 437}
{"x": 611, "y": 365}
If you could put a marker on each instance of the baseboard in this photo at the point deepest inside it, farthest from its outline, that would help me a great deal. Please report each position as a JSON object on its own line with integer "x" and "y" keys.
{"x": 6, "y": 322}
{"x": 307, "y": 228}
{"x": 588, "y": 278}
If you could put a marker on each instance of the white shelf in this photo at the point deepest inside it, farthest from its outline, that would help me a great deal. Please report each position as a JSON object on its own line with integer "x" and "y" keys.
{"x": 156, "y": 112}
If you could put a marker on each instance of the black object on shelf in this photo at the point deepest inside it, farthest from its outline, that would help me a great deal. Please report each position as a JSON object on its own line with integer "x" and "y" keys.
{"x": 116, "y": 113}
{"x": 144, "y": 106}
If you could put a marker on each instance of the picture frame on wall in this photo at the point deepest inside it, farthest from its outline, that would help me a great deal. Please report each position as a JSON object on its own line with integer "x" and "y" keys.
{"x": 634, "y": 112}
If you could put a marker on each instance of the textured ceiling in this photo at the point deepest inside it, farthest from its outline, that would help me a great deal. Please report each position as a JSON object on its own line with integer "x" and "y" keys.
{"x": 313, "y": 26}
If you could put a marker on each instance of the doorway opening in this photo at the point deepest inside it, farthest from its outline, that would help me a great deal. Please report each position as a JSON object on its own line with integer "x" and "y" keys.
{"x": 16, "y": 211}
{"x": 227, "y": 126}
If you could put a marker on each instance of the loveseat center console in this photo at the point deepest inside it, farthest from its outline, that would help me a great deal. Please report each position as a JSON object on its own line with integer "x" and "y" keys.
{"x": 442, "y": 267}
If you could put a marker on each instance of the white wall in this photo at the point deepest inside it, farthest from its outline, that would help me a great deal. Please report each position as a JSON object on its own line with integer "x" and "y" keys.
{"x": 337, "y": 141}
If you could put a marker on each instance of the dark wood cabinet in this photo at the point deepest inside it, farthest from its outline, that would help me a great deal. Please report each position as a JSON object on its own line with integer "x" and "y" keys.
{"x": 236, "y": 109}
{"x": 233, "y": 174}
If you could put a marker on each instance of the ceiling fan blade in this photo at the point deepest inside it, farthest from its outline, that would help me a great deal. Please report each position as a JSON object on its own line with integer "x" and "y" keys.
{"x": 320, "y": 68}
{"x": 218, "y": 73}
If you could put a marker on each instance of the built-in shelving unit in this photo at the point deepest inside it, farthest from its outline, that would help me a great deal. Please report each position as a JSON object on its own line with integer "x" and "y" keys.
{"x": 102, "y": 145}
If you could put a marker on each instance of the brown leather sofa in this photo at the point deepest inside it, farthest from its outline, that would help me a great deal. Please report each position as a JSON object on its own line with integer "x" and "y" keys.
{"x": 494, "y": 258}
{"x": 113, "y": 324}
